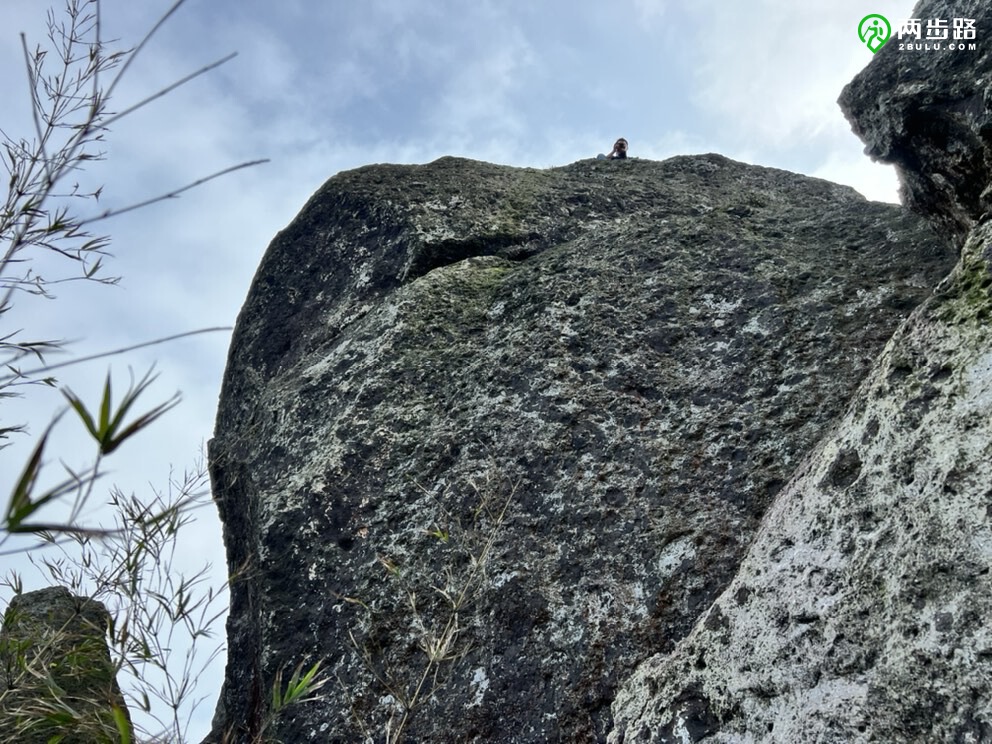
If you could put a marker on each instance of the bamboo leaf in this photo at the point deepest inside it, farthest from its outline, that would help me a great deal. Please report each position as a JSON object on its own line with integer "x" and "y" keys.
{"x": 20, "y": 504}
{"x": 113, "y": 442}
{"x": 122, "y": 723}
{"x": 105, "y": 408}
{"x": 80, "y": 408}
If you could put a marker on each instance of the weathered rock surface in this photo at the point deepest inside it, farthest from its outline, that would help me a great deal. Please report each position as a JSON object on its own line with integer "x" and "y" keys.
{"x": 929, "y": 113}
{"x": 57, "y": 682}
{"x": 862, "y": 610}
{"x": 489, "y": 437}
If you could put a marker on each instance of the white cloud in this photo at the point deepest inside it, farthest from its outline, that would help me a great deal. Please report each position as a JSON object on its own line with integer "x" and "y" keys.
{"x": 773, "y": 72}
{"x": 482, "y": 96}
{"x": 650, "y": 11}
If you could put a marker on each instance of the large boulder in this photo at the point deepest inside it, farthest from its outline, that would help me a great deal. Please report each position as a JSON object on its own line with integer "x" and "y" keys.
{"x": 489, "y": 437}
{"x": 863, "y": 610}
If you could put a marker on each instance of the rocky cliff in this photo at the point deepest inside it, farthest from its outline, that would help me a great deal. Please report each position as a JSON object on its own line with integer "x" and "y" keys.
{"x": 861, "y": 612}
{"x": 492, "y": 440}
{"x": 928, "y": 114}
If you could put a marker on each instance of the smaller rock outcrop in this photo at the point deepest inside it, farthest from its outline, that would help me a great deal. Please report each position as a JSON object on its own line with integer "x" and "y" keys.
{"x": 929, "y": 113}
{"x": 57, "y": 682}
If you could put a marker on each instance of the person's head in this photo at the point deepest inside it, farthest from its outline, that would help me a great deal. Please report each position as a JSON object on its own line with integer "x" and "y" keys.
{"x": 620, "y": 145}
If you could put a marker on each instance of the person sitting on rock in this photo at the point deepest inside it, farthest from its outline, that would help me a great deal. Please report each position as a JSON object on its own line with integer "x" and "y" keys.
{"x": 619, "y": 151}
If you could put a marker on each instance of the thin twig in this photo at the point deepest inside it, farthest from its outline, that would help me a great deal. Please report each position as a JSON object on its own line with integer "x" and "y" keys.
{"x": 172, "y": 194}
{"x": 35, "y": 105}
{"x": 168, "y": 89}
{"x": 137, "y": 49}
{"x": 103, "y": 354}
{"x": 98, "y": 46}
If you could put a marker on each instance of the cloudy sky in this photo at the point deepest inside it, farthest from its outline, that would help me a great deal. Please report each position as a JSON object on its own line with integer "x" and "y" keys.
{"x": 319, "y": 86}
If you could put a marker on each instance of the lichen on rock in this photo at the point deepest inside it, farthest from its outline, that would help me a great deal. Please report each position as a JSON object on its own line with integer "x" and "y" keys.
{"x": 568, "y": 394}
{"x": 861, "y": 610}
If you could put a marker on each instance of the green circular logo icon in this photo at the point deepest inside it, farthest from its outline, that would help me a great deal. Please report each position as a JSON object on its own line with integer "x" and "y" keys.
{"x": 874, "y": 30}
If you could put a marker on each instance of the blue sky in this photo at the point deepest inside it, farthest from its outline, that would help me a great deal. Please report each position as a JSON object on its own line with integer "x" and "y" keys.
{"x": 319, "y": 87}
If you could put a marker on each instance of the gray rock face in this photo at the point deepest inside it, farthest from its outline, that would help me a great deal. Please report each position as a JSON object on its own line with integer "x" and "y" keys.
{"x": 929, "y": 113}
{"x": 57, "y": 682}
{"x": 861, "y": 612}
{"x": 490, "y": 437}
